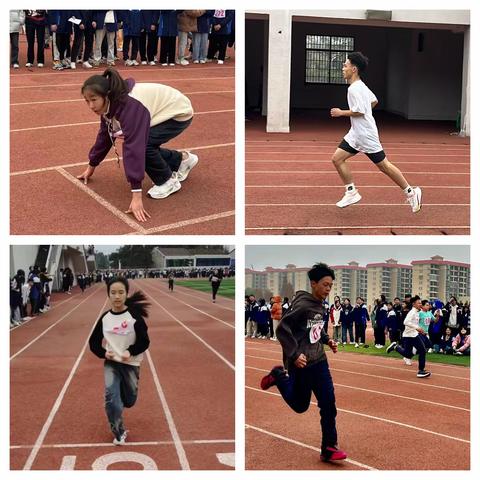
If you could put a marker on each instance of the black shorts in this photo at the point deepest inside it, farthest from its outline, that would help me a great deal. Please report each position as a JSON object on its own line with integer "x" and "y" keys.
{"x": 376, "y": 157}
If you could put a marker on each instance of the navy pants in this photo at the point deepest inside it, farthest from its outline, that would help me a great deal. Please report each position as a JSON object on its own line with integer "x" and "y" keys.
{"x": 297, "y": 388}
{"x": 407, "y": 349}
{"x": 161, "y": 162}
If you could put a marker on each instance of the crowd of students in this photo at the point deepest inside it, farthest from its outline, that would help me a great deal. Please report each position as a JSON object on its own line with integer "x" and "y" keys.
{"x": 136, "y": 37}
{"x": 446, "y": 326}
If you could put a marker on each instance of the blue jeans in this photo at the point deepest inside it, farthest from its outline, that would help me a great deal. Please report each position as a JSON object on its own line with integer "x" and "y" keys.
{"x": 407, "y": 349}
{"x": 346, "y": 328}
{"x": 121, "y": 390}
{"x": 297, "y": 388}
{"x": 200, "y": 46}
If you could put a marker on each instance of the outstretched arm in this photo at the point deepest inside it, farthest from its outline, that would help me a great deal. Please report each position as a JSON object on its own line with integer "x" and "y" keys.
{"x": 336, "y": 112}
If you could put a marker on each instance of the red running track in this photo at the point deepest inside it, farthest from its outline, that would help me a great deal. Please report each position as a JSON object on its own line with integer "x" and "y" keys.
{"x": 388, "y": 419}
{"x": 292, "y": 186}
{"x": 184, "y": 417}
{"x": 52, "y": 132}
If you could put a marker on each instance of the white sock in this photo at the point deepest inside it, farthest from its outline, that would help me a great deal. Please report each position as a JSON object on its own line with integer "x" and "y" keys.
{"x": 408, "y": 190}
{"x": 349, "y": 187}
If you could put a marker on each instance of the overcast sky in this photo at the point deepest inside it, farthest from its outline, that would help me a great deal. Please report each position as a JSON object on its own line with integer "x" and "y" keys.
{"x": 260, "y": 256}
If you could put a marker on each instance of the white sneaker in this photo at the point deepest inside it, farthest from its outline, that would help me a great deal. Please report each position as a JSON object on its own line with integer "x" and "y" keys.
{"x": 136, "y": 64}
{"x": 172, "y": 185}
{"x": 184, "y": 62}
{"x": 128, "y": 63}
{"x": 28, "y": 65}
{"x": 144, "y": 62}
{"x": 121, "y": 440}
{"x": 203, "y": 61}
{"x": 357, "y": 345}
{"x": 196, "y": 61}
{"x": 172, "y": 64}
{"x": 186, "y": 166}
{"x": 407, "y": 361}
{"x": 16, "y": 65}
{"x": 152, "y": 63}
{"x": 40, "y": 65}
{"x": 349, "y": 199}
{"x": 415, "y": 199}
{"x": 220, "y": 62}
{"x": 73, "y": 66}
{"x": 87, "y": 65}
{"x": 164, "y": 64}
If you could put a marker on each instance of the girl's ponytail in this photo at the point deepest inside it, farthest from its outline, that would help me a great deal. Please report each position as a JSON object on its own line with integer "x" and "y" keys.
{"x": 137, "y": 305}
{"x": 117, "y": 85}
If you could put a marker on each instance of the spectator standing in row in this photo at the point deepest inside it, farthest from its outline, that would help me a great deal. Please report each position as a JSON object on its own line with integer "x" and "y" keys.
{"x": 187, "y": 23}
{"x": 360, "y": 317}
{"x": 148, "y": 45}
{"x": 35, "y": 23}
{"x": 200, "y": 38}
{"x": 346, "y": 319}
{"x": 133, "y": 26}
{"x": 221, "y": 29}
{"x": 335, "y": 318}
{"x": 105, "y": 24}
{"x": 276, "y": 314}
{"x": 167, "y": 31}
{"x": 17, "y": 20}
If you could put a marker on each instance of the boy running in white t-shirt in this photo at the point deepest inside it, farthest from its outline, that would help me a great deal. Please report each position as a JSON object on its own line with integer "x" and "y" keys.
{"x": 363, "y": 136}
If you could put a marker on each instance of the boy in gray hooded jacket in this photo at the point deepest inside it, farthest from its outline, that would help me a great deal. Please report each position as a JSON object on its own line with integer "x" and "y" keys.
{"x": 305, "y": 368}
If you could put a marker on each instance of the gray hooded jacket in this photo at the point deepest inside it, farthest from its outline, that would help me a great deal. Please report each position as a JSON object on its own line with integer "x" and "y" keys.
{"x": 294, "y": 330}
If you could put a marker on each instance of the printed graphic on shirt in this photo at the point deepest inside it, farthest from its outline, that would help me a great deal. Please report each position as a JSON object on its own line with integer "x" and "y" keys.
{"x": 316, "y": 324}
{"x": 123, "y": 328}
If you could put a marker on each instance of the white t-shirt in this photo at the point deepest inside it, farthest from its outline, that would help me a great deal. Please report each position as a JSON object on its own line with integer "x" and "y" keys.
{"x": 411, "y": 323}
{"x": 363, "y": 134}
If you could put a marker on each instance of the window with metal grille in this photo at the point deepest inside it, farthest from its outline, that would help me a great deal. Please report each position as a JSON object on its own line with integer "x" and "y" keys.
{"x": 324, "y": 58}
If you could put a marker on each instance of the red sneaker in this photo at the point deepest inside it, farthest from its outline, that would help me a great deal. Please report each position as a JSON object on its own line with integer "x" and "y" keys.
{"x": 271, "y": 379}
{"x": 332, "y": 453}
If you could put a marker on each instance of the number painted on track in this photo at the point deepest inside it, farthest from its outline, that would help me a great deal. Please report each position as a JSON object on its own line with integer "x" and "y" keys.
{"x": 105, "y": 461}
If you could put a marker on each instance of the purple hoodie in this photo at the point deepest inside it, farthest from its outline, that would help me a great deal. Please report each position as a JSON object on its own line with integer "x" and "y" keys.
{"x": 127, "y": 118}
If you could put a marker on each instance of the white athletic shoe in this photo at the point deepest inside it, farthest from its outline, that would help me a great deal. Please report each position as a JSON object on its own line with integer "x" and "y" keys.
{"x": 172, "y": 185}
{"x": 121, "y": 440}
{"x": 186, "y": 166}
{"x": 415, "y": 199}
{"x": 349, "y": 199}
{"x": 407, "y": 361}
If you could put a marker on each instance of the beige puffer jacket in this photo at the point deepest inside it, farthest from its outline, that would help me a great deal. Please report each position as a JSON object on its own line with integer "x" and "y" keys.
{"x": 187, "y": 20}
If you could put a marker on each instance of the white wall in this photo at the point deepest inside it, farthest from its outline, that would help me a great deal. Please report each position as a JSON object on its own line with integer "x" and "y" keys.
{"x": 22, "y": 257}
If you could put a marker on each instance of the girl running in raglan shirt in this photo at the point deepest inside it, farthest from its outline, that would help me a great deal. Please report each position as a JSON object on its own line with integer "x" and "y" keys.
{"x": 145, "y": 115}
{"x": 120, "y": 337}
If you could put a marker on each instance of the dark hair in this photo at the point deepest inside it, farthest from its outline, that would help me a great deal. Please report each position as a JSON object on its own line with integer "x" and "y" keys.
{"x": 360, "y": 299}
{"x": 424, "y": 302}
{"x": 414, "y": 299}
{"x": 136, "y": 303}
{"x": 359, "y": 60}
{"x": 110, "y": 84}
{"x": 320, "y": 270}
{"x": 396, "y": 298}
{"x": 390, "y": 303}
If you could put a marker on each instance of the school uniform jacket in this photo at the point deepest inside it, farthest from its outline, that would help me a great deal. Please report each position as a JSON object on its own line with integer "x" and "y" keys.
{"x": 147, "y": 105}
{"x": 120, "y": 332}
{"x": 301, "y": 330}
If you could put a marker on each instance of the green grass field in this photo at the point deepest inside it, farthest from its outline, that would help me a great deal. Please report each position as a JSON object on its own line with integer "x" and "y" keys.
{"x": 431, "y": 357}
{"x": 227, "y": 287}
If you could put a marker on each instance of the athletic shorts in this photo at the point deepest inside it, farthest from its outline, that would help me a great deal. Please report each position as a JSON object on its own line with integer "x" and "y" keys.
{"x": 376, "y": 157}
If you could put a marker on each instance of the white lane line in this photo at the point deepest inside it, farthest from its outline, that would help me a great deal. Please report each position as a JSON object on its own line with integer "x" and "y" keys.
{"x": 68, "y": 125}
{"x": 181, "y": 290}
{"x": 366, "y": 363}
{"x": 176, "y": 299}
{"x": 304, "y": 445}
{"x": 296, "y": 161}
{"x": 136, "y": 444}
{"x": 58, "y": 402}
{"x": 436, "y": 187}
{"x": 50, "y": 327}
{"x": 332, "y": 172}
{"x": 82, "y": 100}
{"x": 418, "y": 383}
{"x": 362, "y": 227}
{"x": 377, "y": 392}
{"x": 360, "y": 159}
{"x": 314, "y": 143}
{"x": 154, "y": 80}
{"x": 80, "y": 164}
{"x": 104, "y": 203}
{"x": 380, "y": 419}
{"x": 200, "y": 339}
{"x": 356, "y": 205}
{"x": 182, "y": 456}
{"x": 191, "y": 221}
